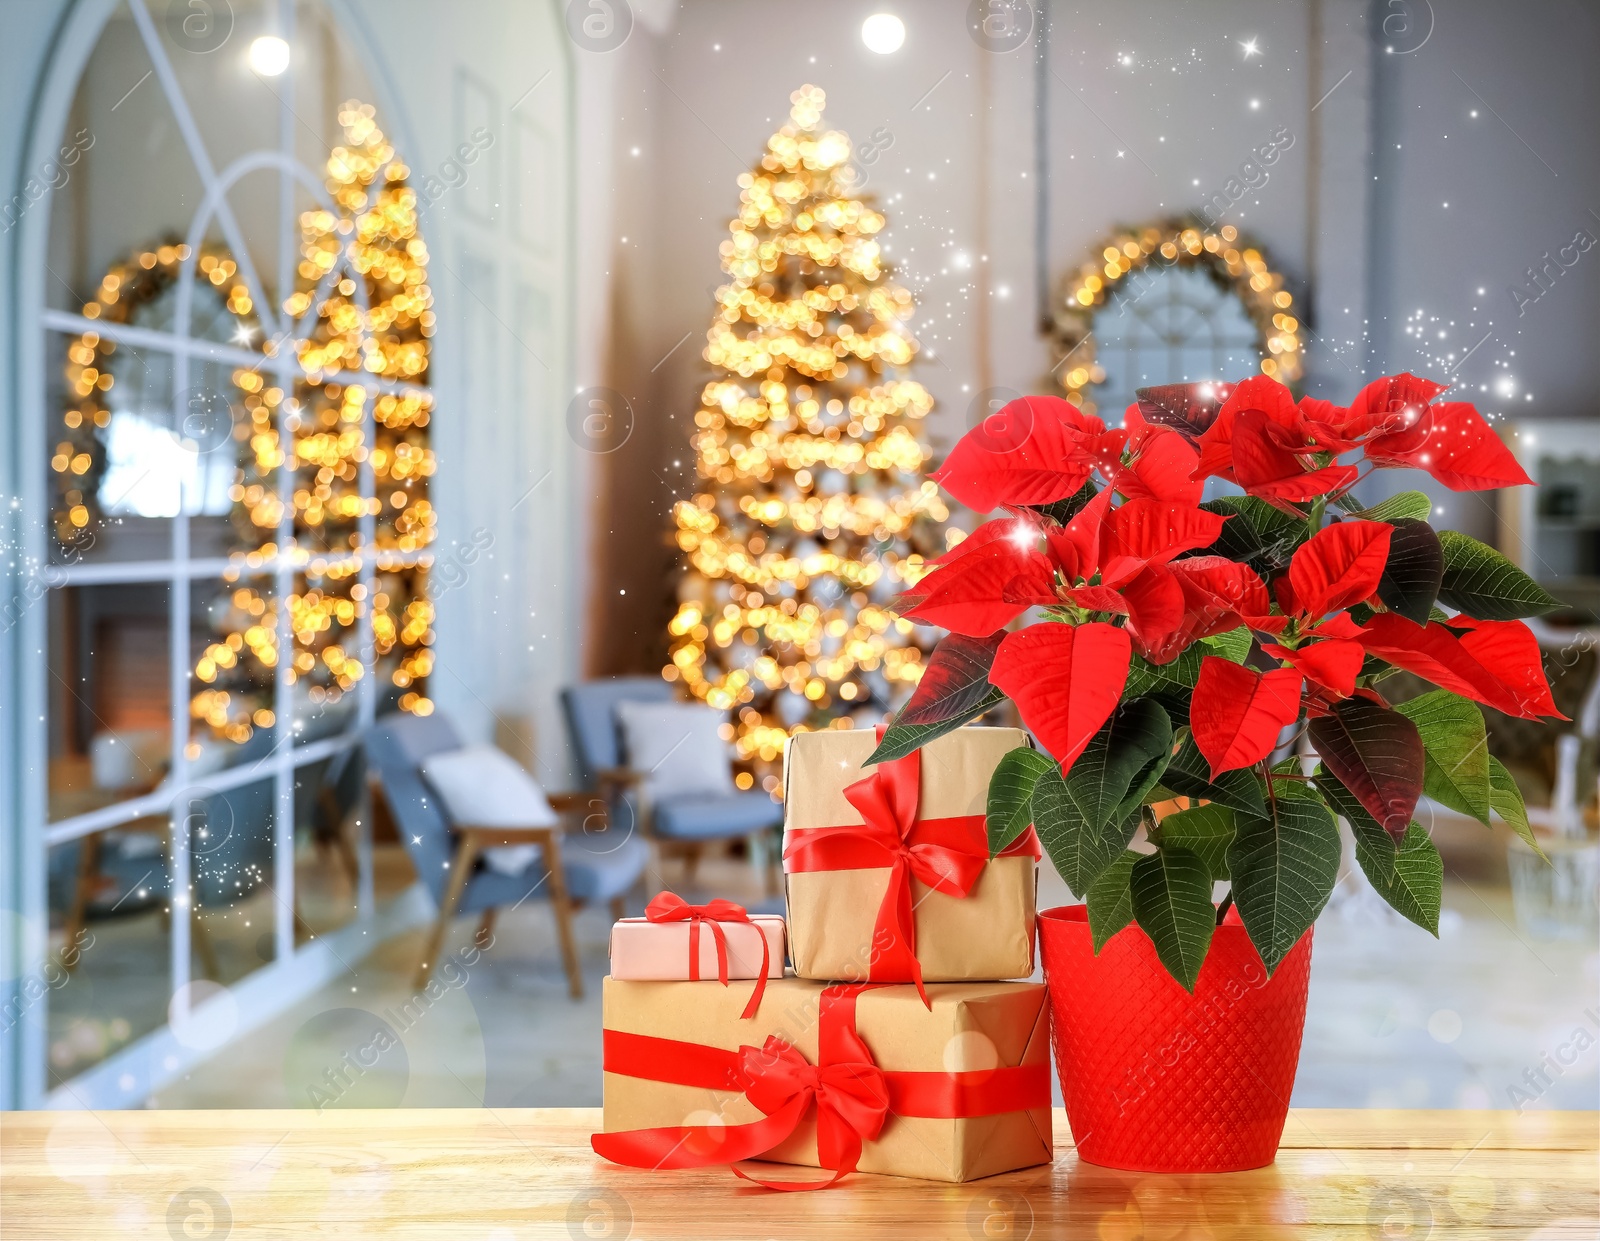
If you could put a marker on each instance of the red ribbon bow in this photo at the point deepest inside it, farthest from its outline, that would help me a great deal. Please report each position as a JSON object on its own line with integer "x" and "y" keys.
{"x": 670, "y": 907}
{"x": 946, "y": 854}
{"x": 852, "y": 1095}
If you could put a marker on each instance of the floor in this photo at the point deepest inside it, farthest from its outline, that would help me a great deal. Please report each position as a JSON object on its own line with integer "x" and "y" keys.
{"x": 1486, "y": 1016}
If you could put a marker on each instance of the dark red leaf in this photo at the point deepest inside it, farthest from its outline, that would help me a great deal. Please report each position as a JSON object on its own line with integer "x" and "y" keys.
{"x": 1189, "y": 409}
{"x": 1377, "y": 754}
{"x": 1414, "y": 572}
{"x": 955, "y": 681}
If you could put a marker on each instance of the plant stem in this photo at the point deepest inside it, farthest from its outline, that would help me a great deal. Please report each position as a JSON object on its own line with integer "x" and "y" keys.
{"x": 1222, "y": 909}
{"x": 1314, "y": 521}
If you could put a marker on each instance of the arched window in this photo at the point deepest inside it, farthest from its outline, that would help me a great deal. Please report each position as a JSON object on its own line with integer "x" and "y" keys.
{"x": 231, "y": 403}
{"x": 1172, "y": 302}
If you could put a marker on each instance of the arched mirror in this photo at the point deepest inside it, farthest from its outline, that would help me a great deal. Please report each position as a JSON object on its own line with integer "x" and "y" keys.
{"x": 1172, "y": 302}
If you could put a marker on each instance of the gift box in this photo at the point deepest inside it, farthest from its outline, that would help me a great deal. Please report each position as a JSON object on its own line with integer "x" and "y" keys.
{"x": 887, "y": 867}
{"x": 679, "y": 941}
{"x": 838, "y": 1076}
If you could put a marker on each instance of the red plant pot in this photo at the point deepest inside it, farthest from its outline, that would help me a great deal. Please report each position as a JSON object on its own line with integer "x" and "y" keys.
{"x": 1156, "y": 1079}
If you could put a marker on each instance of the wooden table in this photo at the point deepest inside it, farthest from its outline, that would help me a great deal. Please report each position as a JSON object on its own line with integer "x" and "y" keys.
{"x": 499, "y": 1175}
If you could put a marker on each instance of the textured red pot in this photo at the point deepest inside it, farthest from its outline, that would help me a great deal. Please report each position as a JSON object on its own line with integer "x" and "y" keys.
{"x": 1156, "y": 1079}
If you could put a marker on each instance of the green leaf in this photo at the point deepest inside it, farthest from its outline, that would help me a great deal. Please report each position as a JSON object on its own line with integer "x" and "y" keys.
{"x": 1189, "y": 775}
{"x": 1234, "y": 644}
{"x": 1109, "y": 903}
{"x": 1456, "y": 749}
{"x": 1171, "y": 891}
{"x": 1087, "y": 818}
{"x": 1407, "y": 506}
{"x": 1117, "y": 762}
{"x": 1079, "y": 852}
{"x": 1506, "y": 800}
{"x": 1010, "y": 806}
{"x": 1172, "y": 685}
{"x": 1283, "y": 869}
{"x": 1205, "y": 831}
{"x": 901, "y": 739}
{"x": 1255, "y": 533}
{"x": 1484, "y": 584}
{"x": 1410, "y": 878}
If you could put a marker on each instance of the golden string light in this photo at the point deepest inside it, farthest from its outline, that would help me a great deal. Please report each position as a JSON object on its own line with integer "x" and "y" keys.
{"x": 1227, "y": 257}
{"x": 815, "y": 513}
{"x": 347, "y": 347}
{"x": 352, "y": 346}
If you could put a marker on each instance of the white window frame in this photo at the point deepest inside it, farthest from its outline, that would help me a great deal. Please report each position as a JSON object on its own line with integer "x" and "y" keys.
{"x": 144, "y": 1065}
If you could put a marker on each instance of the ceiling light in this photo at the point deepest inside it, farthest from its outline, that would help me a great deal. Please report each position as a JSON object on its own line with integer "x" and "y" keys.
{"x": 883, "y": 33}
{"x": 269, "y": 55}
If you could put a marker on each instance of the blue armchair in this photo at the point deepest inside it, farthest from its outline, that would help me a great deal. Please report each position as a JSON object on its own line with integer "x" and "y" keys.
{"x": 680, "y": 825}
{"x": 597, "y": 866}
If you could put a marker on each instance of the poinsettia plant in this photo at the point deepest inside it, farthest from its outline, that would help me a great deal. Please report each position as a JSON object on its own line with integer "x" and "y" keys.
{"x": 1183, "y": 644}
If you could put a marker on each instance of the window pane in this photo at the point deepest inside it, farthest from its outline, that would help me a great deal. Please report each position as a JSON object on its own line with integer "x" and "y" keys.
{"x": 106, "y": 979}
{"x": 1173, "y": 325}
{"x": 233, "y": 658}
{"x": 109, "y": 694}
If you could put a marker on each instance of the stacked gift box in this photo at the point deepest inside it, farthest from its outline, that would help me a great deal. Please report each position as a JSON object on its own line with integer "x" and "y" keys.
{"x": 899, "y": 1042}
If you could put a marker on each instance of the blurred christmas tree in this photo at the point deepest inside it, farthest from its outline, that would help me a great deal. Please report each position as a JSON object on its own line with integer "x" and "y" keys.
{"x": 814, "y": 513}
{"x": 377, "y": 329}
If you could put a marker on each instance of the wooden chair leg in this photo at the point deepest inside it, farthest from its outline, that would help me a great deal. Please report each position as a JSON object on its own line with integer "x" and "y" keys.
{"x": 460, "y": 871}
{"x": 204, "y": 946}
{"x": 691, "y": 862}
{"x": 562, "y": 906}
{"x": 485, "y": 934}
{"x": 82, "y": 891}
{"x": 774, "y": 852}
{"x": 619, "y": 908}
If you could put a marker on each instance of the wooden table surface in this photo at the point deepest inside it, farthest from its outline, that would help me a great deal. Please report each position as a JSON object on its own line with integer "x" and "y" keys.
{"x": 500, "y": 1175}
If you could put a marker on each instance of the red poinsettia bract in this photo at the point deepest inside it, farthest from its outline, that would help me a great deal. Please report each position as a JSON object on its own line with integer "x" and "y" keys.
{"x": 1137, "y": 568}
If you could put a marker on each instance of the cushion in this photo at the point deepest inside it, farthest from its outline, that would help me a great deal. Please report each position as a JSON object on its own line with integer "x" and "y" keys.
{"x": 676, "y": 746}
{"x": 481, "y": 786}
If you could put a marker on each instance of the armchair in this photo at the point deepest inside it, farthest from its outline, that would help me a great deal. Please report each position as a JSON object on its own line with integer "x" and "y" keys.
{"x": 568, "y": 870}
{"x": 681, "y": 824}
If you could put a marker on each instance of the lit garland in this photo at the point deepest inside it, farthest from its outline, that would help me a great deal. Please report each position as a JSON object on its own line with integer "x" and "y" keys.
{"x": 817, "y": 514}
{"x": 78, "y": 459}
{"x": 1230, "y": 260}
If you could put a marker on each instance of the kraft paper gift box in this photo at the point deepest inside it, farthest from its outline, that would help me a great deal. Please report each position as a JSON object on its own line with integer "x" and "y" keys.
{"x": 840, "y": 920}
{"x": 676, "y": 1094}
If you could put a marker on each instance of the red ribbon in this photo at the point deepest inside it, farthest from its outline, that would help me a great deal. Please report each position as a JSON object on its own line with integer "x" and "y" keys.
{"x": 853, "y": 1097}
{"x": 670, "y": 907}
{"x": 946, "y": 854}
